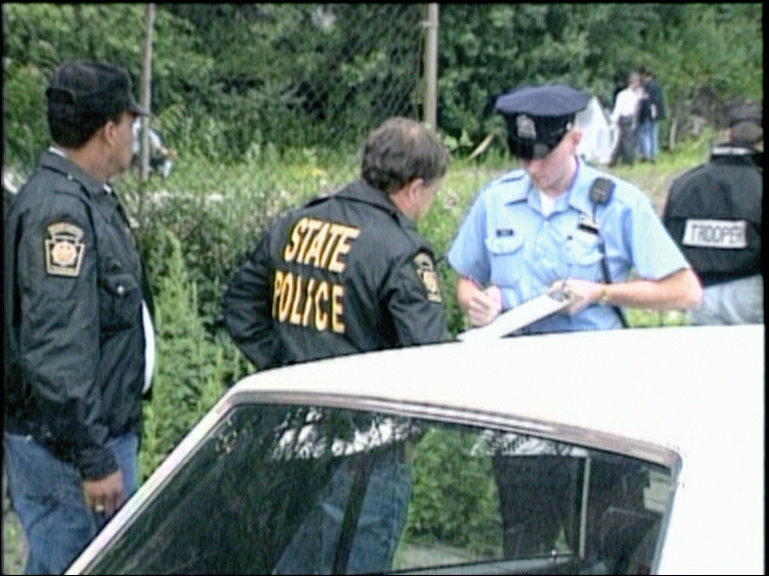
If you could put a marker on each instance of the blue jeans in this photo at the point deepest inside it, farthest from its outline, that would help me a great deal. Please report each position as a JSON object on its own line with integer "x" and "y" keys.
{"x": 377, "y": 533}
{"x": 648, "y": 139}
{"x": 47, "y": 495}
{"x": 735, "y": 302}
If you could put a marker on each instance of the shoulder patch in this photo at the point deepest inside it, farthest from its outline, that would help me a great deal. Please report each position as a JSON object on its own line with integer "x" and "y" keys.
{"x": 64, "y": 249}
{"x": 429, "y": 276}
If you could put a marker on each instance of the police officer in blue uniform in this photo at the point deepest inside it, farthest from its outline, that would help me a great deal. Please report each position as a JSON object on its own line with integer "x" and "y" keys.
{"x": 559, "y": 223}
{"x": 714, "y": 213}
{"x": 79, "y": 342}
{"x": 344, "y": 274}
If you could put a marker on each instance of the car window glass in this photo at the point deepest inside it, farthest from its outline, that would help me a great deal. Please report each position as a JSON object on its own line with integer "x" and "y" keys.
{"x": 277, "y": 489}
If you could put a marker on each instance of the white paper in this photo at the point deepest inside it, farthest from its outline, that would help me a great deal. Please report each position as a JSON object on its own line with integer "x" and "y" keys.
{"x": 518, "y": 317}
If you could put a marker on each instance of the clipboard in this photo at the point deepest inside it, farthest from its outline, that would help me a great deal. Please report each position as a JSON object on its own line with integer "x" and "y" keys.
{"x": 519, "y": 317}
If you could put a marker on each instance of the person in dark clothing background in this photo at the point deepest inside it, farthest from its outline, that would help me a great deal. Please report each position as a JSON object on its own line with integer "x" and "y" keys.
{"x": 651, "y": 111}
{"x": 344, "y": 274}
{"x": 714, "y": 213}
{"x": 79, "y": 340}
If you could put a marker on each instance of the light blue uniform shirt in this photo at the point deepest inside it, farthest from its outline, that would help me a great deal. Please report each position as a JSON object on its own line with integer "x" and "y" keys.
{"x": 507, "y": 241}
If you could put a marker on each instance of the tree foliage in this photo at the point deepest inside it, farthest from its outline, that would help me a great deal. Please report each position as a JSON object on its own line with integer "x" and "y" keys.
{"x": 232, "y": 76}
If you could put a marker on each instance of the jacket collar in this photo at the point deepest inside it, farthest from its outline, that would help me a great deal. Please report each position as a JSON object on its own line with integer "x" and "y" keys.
{"x": 361, "y": 191}
{"x": 56, "y": 160}
{"x": 731, "y": 149}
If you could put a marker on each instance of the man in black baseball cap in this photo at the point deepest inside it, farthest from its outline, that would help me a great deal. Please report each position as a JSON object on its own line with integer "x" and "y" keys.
{"x": 79, "y": 340}
{"x": 745, "y": 127}
{"x": 539, "y": 116}
{"x": 83, "y": 95}
{"x": 92, "y": 88}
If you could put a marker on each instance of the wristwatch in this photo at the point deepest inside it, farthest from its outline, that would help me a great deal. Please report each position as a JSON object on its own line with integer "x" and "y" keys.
{"x": 604, "y": 298}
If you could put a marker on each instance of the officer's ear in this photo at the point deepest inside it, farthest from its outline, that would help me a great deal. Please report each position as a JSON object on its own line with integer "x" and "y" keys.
{"x": 110, "y": 131}
{"x": 414, "y": 189}
{"x": 575, "y": 134}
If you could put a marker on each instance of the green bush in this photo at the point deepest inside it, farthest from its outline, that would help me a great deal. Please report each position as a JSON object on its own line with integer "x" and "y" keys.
{"x": 464, "y": 510}
{"x": 192, "y": 371}
{"x": 218, "y": 211}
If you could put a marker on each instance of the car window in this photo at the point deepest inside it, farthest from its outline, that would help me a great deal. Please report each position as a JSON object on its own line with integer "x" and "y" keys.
{"x": 286, "y": 489}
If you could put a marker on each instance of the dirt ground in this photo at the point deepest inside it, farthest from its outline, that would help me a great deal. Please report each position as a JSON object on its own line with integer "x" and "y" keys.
{"x": 656, "y": 184}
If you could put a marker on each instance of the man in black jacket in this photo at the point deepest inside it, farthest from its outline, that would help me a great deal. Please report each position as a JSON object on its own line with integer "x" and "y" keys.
{"x": 344, "y": 274}
{"x": 79, "y": 341}
{"x": 348, "y": 272}
{"x": 714, "y": 213}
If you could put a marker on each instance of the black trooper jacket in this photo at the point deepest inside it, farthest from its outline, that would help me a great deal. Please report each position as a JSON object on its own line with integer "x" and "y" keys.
{"x": 342, "y": 274}
{"x": 74, "y": 336}
{"x": 714, "y": 213}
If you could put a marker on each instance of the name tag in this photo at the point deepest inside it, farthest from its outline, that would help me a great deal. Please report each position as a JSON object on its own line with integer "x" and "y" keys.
{"x": 588, "y": 224}
{"x": 728, "y": 234}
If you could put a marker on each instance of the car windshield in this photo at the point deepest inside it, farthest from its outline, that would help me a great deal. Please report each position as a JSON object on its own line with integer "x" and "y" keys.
{"x": 292, "y": 489}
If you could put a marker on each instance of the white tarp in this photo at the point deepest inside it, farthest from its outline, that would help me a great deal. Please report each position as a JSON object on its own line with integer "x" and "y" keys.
{"x": 598, "y": 136}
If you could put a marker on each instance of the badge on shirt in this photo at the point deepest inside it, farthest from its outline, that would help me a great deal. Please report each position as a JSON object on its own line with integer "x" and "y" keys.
{"x": 64, "y": 249}
{"x": 588, "y": 224}
{"x": 428, "y": 275}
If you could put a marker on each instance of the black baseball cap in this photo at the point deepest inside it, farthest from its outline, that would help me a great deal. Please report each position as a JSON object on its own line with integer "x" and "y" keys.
{"x": 745, "y": 112}
{"x": 98, "y": 89}
{"x": 539, "y": 116}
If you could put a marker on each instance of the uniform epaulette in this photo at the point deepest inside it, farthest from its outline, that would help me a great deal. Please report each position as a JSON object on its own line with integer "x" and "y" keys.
{"x": 512, "y": 176}
{"x": 67, "y": 186}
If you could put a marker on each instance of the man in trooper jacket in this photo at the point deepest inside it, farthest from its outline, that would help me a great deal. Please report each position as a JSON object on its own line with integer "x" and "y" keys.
{"x": 714, "y": 213}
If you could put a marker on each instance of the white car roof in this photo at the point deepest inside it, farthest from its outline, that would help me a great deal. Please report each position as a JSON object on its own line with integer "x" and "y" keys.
{"x": 651, "y": 384}
{"x": 698, "y": 390}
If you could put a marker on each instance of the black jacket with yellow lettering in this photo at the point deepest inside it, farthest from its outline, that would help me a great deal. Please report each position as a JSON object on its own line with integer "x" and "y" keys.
{"x": 343, "y": 274}
{"x": 714, "y": 214}
{"x": 74, "y": 339}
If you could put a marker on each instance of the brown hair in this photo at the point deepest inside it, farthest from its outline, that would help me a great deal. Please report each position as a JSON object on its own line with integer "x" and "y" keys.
{"x": 401, "y": 150}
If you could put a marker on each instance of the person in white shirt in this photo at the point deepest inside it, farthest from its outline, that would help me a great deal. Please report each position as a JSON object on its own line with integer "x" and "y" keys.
{"x": 161, "y": 157}
{"x": 624, "y": 117}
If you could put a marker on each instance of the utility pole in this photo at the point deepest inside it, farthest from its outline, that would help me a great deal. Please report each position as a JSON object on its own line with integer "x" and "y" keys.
{"x": 430, "y": 115}
{"x": 145, "y": 98}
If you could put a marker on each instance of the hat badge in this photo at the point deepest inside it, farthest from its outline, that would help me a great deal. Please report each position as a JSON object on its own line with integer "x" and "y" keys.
{"x": 525, "y": 128}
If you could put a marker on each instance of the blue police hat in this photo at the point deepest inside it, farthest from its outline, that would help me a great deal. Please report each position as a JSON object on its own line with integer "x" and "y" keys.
{"x": 539, "y": 116}
{"x": 96, "y": 89}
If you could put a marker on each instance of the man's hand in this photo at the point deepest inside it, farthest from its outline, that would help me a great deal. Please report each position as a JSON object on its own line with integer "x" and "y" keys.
{"x": 483, "y": 306}
{"x": 105, "y": 495}
{"x": 582, "y": 293}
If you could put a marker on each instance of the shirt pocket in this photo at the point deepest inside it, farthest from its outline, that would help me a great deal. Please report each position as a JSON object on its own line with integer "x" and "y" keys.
{"x": 506, "y": 257}
{"x": 583, "y": 255}
{"x": 120, "y": 301}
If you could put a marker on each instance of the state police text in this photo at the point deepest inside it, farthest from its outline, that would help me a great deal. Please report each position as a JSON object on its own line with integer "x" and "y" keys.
{"x": 313, "y": 302}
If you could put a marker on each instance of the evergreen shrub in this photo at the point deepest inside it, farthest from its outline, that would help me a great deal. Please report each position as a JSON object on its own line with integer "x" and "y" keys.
{"x": 191, "y": 370}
